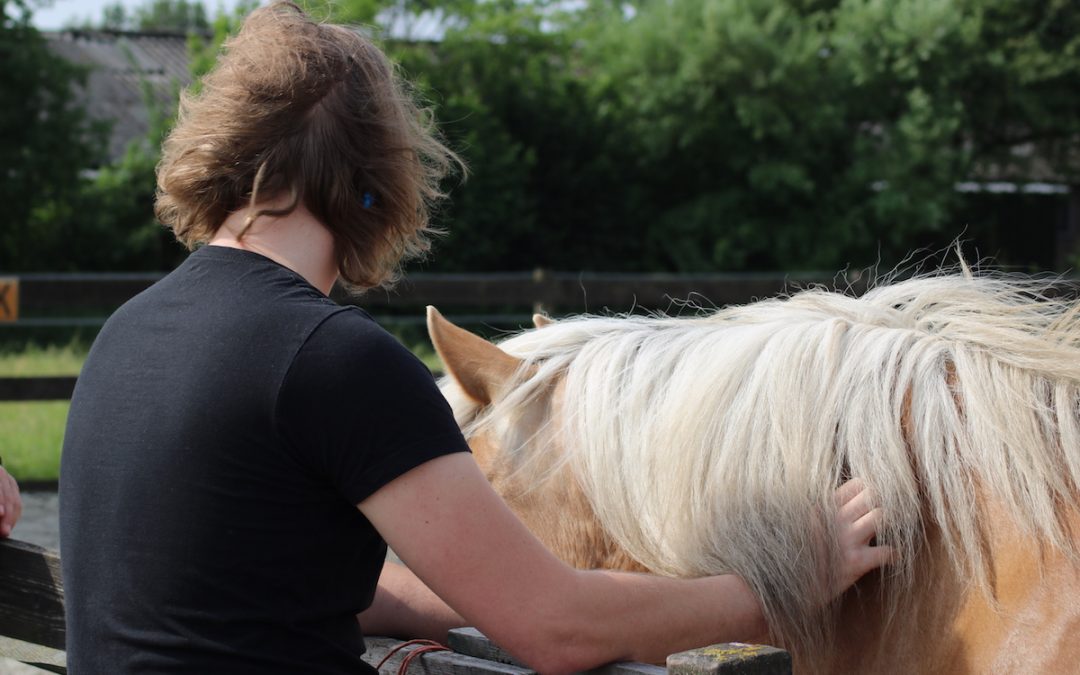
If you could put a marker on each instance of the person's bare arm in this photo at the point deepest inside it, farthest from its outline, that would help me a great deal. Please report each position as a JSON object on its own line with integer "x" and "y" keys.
{"x": 405, "y": 608}
{"x": 448, "y": 525}
{"x": 10, "y": 503}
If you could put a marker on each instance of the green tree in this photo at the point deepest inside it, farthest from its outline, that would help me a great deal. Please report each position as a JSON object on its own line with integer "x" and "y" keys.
{"x": 108, "y": 222}
{"x": 502, "y": 81}
{"x": 45, "y": 141}
{"x": 759, "y": 147}
{"x": 115, "y": 210}
{"x": 169, "y": 16}
{"x": 795, "y": 134}
{"x": 203, "y": 47}
{"x": 714, "y": 134}
{"x": 114, "y": 16}
{"x": 511, "y": 108}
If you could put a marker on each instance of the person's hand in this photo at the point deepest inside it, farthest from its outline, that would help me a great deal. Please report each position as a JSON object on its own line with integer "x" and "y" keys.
{"x": 10, "y": 503}
{"x": 856, "y": 527}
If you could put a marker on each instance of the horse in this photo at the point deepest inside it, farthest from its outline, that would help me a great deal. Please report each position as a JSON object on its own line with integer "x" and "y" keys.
{"x": 709, "y": 444}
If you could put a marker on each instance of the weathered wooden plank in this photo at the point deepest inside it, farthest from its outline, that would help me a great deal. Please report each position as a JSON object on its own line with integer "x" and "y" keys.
{"x": 36, "y": 388}
{"x": 658, "y": 292}
{"x": 628, "y": 669}
{"x": 591, "y": 292}
{"x": 723, "y": 659}
{"x": 31, "y": 594}
{"x": 474, "y": 290}
{"x": 13, "y": 667}
{"x": 435, "y": 663}
{"x": 47, "y": 294}
{"x": 42, "y": 659}
{"x": 732, "y": 658}
{"x": 472, "y": 642}
{"x": 51, "y": 292}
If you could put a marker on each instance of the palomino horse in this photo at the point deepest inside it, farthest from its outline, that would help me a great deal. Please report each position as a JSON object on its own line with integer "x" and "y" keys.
{"x": 693, "y": 446}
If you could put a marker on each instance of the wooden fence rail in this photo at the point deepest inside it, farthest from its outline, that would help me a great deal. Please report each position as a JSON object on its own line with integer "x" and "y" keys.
{"x": 87, "y": 299}
{"x": 37, "y": 388}
{"x": 501, "y": 299}
{"x": 46, "y": 294}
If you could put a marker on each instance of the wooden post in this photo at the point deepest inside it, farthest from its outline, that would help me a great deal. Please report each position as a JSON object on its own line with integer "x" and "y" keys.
{"x": 732, "y": 658}
{"x": 31, "y": 606}
{"x": 9, "y": 299}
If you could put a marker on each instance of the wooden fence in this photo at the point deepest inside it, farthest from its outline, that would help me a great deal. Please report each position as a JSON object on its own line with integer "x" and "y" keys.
{"x": 42, "y": 296}
{"x": 71, "y": 300}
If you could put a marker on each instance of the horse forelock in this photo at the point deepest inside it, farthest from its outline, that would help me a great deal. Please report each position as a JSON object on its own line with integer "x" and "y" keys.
{"x": 712, "y": 444}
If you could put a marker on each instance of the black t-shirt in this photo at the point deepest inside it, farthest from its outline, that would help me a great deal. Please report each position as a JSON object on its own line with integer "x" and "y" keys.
{"x": 225, "y": 425}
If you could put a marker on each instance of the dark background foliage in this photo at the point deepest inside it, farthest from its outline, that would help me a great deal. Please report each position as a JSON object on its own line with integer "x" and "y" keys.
{"x": 689, "y": 136}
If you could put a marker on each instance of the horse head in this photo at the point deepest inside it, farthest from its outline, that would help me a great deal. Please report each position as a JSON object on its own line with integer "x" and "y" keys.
{"x": 535, "y": 481}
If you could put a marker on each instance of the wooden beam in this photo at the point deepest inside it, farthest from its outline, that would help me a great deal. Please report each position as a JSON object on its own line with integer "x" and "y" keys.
{"x": 32, "y": 659}
{"x": 31, "y": 594}
{"x": 472, "y": 642}
{"x": 36, "y": 388}
{"x": 434, "y": 663}
{"x": 52, "y": 292}
{"x": 46, "y": 295}
{"x": 733, "y": 658}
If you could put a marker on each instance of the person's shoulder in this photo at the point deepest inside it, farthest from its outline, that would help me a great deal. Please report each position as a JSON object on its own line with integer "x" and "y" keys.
{"x": 351, "y": 324}
{"x": 353, "y": 320}
{"x": 349, "y": 357}
{"x": 357, "y": 339}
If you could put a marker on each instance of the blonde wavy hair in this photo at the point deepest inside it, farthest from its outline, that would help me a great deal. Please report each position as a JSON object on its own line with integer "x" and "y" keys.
{"x": 317, "y": 113}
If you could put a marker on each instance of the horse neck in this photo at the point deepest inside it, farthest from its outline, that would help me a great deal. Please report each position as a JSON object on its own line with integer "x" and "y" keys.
{"x": 1024, "y": 622}
{"x": 554, "y": 508}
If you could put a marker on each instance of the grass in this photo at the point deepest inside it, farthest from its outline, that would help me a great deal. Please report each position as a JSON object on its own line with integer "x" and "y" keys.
{"x": 35, "y": 360}
{"x": 425, "y": 353}
{"x": 32, "y": 433}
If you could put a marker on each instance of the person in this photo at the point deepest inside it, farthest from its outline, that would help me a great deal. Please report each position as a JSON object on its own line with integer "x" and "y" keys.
{"x": 240, "y": 449}
{"x": 10, "y": 503}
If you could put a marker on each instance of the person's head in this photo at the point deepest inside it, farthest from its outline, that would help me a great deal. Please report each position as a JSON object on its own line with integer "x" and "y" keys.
{"x": 313, "y": 113}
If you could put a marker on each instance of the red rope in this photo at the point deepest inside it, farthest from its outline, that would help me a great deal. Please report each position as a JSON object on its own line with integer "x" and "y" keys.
{"x": 426, "y": 646}
{"x": 404, "y": 667}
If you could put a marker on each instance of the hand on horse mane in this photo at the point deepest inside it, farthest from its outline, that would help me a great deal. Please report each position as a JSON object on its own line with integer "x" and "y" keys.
{"x": 856, "y": 525}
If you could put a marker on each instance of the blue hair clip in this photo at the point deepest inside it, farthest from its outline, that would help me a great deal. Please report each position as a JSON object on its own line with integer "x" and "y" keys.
{"x": 369, "y": 200}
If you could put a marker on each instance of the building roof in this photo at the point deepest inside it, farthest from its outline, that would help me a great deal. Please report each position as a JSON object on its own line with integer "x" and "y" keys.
{"x": 122, "y": 64}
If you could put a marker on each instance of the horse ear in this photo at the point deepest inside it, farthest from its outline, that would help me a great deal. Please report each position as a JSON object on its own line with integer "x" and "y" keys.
{"x": 539, "y": 320}
{"x": 481, "y": 368}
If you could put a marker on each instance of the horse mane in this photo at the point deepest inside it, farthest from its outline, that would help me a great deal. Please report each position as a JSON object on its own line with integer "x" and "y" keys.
{"x": 712, "y": 444}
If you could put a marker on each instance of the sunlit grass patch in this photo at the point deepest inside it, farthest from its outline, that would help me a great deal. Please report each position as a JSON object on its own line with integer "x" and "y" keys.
{"x": 34, "y": 360}
{"x": 31, "y": 434}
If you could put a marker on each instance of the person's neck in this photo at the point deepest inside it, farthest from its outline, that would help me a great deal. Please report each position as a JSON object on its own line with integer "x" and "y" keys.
{"x": 297, "y": 241}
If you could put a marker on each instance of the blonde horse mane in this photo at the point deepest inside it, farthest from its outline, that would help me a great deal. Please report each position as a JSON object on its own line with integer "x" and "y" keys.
{"x": 712, "y": 444}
